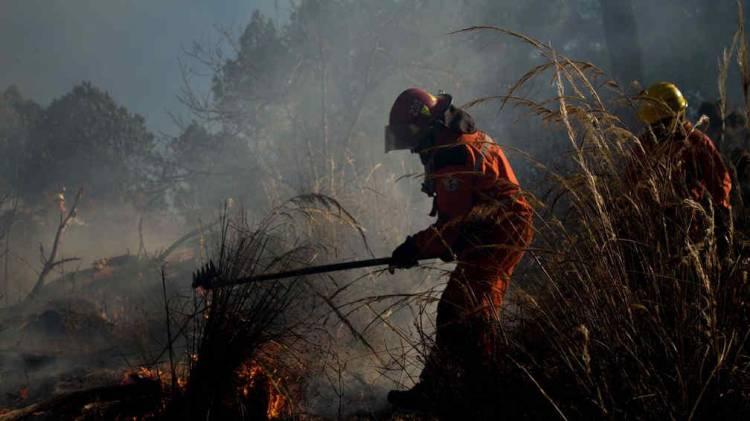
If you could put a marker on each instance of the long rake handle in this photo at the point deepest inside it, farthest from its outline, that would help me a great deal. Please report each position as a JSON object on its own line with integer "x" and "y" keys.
{"x": 383, "y": 261}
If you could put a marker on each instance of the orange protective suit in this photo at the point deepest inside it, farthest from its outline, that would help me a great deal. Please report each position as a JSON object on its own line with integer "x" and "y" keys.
{"x": 485, "y": 223}
{"x": 686, "y": 158}
{"x": 698, "y": 164}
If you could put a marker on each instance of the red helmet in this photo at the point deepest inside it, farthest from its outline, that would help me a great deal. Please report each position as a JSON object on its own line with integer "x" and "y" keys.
{"x": 411, "y": 114}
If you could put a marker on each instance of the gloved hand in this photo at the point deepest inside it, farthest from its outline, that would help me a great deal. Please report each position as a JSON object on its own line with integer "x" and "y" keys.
{"x": 405, "y": 255}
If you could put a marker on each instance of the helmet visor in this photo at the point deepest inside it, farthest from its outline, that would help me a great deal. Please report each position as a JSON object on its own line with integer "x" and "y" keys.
{"x": 401, "y": 136}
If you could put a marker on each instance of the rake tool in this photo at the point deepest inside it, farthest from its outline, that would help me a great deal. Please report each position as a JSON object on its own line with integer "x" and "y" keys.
{"x": 209, "y": 277}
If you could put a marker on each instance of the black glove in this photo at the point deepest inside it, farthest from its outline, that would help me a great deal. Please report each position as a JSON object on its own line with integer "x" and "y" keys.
{"x": 405, "y": 255}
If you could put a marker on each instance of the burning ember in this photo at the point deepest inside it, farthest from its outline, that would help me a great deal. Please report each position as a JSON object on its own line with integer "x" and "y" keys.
{"x": 22, "y": 395}
{"x": 140, "y": 374}
{"x": 152, "y": 374}
{"x": 258, "y": 387}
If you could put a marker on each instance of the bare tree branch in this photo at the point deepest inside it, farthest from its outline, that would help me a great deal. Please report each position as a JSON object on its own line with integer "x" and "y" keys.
{"x": 50, "y": 262}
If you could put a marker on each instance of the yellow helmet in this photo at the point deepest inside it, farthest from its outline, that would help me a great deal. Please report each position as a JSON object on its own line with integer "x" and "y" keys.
{"x": 660, "y": 101}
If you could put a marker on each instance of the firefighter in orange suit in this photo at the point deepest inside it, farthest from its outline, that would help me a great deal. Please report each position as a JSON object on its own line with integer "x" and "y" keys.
{"x": 698, "y": 169}
{"x": 483, "y": 223}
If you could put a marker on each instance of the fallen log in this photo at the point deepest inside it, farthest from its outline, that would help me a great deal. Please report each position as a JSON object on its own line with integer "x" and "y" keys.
{"x": 125, "y": 400}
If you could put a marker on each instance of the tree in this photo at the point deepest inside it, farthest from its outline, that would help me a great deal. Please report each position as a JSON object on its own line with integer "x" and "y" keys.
{"x": 209, "y": 168}
{"x": 254, "y": 77}
{"x": 17, "y": 118}
{"x": 86, "y": 139}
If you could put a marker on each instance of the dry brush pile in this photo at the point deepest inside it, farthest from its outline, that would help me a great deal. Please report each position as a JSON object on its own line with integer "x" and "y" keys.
{"x": 254, "y": 346}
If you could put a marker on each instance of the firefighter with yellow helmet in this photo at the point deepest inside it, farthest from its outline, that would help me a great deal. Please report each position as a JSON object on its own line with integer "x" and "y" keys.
{"x": 698, "y": 171}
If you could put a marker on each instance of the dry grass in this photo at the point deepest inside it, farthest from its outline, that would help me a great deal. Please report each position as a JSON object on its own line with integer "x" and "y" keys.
{"x": 635, "y": 314}
{"x": 266, "y": 327}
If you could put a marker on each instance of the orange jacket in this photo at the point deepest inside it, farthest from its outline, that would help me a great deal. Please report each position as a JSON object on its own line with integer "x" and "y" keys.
{"x": 461, "y": 171}
{"x": 699, "y": 163}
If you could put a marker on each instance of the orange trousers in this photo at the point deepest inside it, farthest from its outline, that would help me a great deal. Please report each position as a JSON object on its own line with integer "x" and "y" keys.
{"x": 468, "y": 309}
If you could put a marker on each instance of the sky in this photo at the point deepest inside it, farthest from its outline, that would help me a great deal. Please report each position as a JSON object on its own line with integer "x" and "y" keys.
{"x": 130, "y": 48}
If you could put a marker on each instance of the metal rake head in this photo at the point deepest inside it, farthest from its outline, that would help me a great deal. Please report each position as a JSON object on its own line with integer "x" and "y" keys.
{"x": 204, "y": 276}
